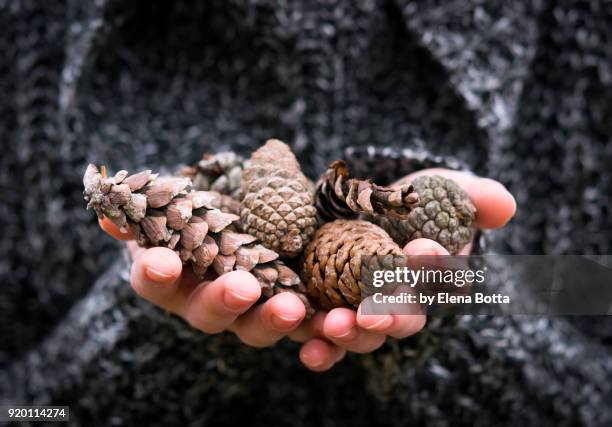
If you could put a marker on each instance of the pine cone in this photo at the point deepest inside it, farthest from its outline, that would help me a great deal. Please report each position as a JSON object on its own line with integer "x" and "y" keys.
{"x": 221, "y": 172}
{"x": 332, "y": 261}
{"x": 165, "y": 211}
{"x": 339, "y": 196}
{"x": 444, "y": 213}
{"x": 228, "y": 204}
{"x": 277, "y": 206}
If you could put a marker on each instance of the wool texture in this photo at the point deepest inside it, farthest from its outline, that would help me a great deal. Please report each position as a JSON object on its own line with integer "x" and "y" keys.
{"x": 517, "y": 91}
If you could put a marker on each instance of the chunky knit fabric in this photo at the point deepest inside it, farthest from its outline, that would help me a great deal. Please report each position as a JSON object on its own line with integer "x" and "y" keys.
{"x": 520, "y": 92}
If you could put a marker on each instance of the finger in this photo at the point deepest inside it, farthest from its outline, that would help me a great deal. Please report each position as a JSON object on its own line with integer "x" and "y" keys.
{"x": 113, "y": 230}
{"x": 269, "y": 322}
{"x": 135, "y": 250}
{"x": 155, "y": 277}
{"x": 395, "y": 325}
{"x": 400, "y": 326}
{"x": 341, "y": 328}
{"x": 424, "y": 247}
{"x": 309, "y": 329}
{"x": 340, "y": 325}
{"x": 495, "y": 205}
{"x": 425, "y": 253}
{"x": 318, "y": 355}
{"x": 214, "y": 306}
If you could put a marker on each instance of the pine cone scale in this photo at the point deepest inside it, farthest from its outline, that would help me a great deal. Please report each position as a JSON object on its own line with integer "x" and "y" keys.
{"x": 339, "y": 196}
{"x": 161, "y": 191}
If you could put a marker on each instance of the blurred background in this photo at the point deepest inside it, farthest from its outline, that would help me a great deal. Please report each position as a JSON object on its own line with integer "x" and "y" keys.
{"x": 518, "y": 91}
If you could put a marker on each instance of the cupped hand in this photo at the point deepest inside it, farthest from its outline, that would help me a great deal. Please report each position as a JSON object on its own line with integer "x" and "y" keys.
{"x": 327, "y": 336}
{"x": 217, "y": 304}
{"x": 212, "y": 305}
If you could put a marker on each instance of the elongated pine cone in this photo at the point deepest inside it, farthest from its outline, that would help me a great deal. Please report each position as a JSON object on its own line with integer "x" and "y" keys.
{"x": 339, "y": 196}
{"x": 277, "y": 207}
{"x": 331, "y": 268}
{"x": 221, "y": 172}
{"x": 444, "y": 213}
{"x": 165, "y": 211}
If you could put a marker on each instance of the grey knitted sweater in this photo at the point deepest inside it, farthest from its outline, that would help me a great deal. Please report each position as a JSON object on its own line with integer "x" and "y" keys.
{"x": 519, "y": 91}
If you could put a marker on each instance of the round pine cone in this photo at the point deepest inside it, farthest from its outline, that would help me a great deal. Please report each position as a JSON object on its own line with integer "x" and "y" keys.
{"x": 277, "y": 206}
{"x": 331, "y": 269}
{"x": 444, "y": 213}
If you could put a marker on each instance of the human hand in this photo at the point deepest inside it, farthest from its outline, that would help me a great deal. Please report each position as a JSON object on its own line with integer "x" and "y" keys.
{"x": 327, "y": 336}
{"x": 224, "y": 303}
{"x": 213, "y": 304}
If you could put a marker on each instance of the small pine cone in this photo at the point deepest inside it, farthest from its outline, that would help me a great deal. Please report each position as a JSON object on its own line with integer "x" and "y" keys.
{"x": 277, "y": 206}
{"x": 221, "y": 172}
{"x": 165, "y": 211}
{"x": 332, "y": 261}
{"x": 339, "y": 196}
{"x": 444, "y": 213}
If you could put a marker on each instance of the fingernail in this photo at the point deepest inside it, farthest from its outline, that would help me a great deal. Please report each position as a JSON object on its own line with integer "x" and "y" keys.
{"x": 158, "y": 275}
{"x": 236, "y": 300}
{"x": 346, "y": 335}
{"x": 283, "y": 322}
{"x": 425, "y": 252}
{"x": 379, "y": 324}
{"x": 310, "y": 360}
